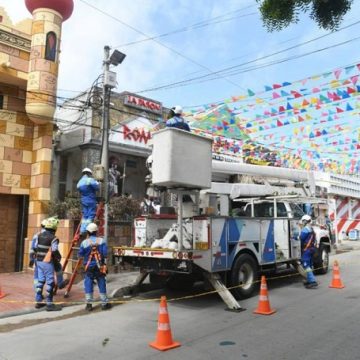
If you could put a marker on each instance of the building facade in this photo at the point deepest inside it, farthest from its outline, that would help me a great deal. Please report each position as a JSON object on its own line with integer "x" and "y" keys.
{"x": 79, "y": 140}
{"x": 29, "y": 58}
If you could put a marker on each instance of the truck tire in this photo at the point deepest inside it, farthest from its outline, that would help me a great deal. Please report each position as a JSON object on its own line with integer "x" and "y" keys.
{"x": 180, "y": 282}
{"x": 244, "y": 274}
{"x": 321, "y": 264}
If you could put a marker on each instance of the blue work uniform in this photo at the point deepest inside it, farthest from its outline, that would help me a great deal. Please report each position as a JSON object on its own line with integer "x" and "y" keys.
{"x": 87, "y": 186}
{"x": 45, "y": 270}
{"x": 178, "y": 122}
{"x": 32, "y": 255}
{"x": 92, "y": 267}
{"x": 307, "y": 238}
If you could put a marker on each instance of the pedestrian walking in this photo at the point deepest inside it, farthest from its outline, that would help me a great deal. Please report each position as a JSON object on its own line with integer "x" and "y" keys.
{"x": 87, "y": 186}
{"x": 307, "y": 238}
{"x": 94, "y": 251}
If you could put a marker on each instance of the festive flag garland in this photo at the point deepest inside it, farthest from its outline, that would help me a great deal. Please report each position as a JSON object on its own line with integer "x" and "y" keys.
{"x": 269, "y": 126}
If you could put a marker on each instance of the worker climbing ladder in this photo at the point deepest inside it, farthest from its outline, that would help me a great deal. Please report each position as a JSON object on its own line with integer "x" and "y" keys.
{"x": 99, "y": 217}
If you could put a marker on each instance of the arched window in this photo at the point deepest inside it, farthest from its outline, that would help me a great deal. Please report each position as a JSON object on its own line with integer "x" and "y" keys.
{"x": 50, "y": 50}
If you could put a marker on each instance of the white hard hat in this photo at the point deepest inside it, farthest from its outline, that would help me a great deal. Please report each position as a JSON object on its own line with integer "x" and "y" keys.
{"x": 306, "y": 219}
{"x": 177, "y": 110}
{"x": 92, "y": 227}
{"x": 87, "y": 170}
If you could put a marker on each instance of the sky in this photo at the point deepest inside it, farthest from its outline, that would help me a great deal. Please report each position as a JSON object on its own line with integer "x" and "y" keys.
{"x": 206, "y": 36}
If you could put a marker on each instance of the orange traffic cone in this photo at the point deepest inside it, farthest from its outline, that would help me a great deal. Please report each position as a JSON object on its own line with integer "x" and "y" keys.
{"x": 336, "y": 282}
{"x": 164, "y": 340}
{"x": 2, "y": 294}
{"x": 264, "y": 304}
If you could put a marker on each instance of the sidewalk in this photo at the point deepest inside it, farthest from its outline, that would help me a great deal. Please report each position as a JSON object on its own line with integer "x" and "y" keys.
{"x": 19, "y": 292}
{"x": 347, "y": 245}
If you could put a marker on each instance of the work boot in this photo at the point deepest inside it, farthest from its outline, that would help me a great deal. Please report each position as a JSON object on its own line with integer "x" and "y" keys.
{"x": 312, "y": 285}
{"x": 89, "y": 307}
{"x": 63, "y": 284}
{"x": 39, "y": 305}
{"x": 106, "y": 306}
{"x": 53, "y": 307}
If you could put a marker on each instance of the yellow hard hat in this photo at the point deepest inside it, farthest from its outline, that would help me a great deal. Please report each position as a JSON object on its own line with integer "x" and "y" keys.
{"x": 52, "y": 223}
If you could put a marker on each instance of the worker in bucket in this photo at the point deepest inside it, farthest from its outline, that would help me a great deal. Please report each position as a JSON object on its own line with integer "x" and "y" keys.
{"x": 176, "y": 120}
{"x": 87, "y": 186}
{"x": 60, "y": 281}
{"x": 46, "y": 249}
{"x": 94, "y": 251}
{"x": 307, "y": 238}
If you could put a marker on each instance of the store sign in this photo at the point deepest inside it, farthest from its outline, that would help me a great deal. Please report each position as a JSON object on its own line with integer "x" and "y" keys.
{"x": 143, "y": 104}
{"x": 138, "y": 135}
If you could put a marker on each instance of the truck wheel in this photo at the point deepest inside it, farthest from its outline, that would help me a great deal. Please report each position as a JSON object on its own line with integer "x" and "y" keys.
{"x": 322, "y": 263}
{"x": 244, "y": 274}
{"x": 180, "y": 282}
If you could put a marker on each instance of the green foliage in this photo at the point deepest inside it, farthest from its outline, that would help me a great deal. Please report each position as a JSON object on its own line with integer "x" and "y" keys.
{"x": 120, "y": 208}
{"x": 279, "y": 14}
{"x": 70, "y": 208}
{"x": 123, "y": 208}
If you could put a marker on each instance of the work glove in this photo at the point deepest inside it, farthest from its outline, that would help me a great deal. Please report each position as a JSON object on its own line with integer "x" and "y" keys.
{"x": 31, "y": 263}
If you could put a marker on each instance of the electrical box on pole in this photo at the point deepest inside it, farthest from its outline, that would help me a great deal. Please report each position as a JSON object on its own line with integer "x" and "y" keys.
{"x": 110, "y": 79}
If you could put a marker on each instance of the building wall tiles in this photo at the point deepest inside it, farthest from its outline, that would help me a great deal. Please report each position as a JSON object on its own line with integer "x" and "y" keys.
{"x": 5, "y": 114}
{"x": 2, "y": 126}
{"x": 19, "y": 191}
{"x": 11, "y": 180}
{"x": 23, "y": 143}
{"x": 24, "y": 55}
{"x": 25, "y": 181}
{"x": 5, "y": 166}
{"x": 12, "y": 154}
{"x": 7, "y": 140}
{"x": 15, "y": 129}
{"x": 21, "y": 168}
{"x": 40, "y": 181}
{"x": 19, "y": 64}
{"x": 27, "y": 156}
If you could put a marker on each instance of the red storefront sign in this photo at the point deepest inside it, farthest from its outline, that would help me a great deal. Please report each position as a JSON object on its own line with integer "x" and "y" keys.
{"x": 142, "y": 103}
{"x": 138, "y": 135}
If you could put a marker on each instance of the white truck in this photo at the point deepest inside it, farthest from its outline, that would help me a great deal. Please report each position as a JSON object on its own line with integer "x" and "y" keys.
{"x": 222, "y": 232}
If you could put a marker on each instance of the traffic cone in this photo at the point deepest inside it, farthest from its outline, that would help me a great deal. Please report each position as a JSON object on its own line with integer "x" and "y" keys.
{"x": 264, "y": 304}
{"x": 164, "y": 340}
{"x": 336, "y": 282}
{"x": 2, "y": 294}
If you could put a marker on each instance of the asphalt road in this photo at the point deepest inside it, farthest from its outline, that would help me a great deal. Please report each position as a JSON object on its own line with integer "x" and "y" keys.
{"x": 309, "y": 324}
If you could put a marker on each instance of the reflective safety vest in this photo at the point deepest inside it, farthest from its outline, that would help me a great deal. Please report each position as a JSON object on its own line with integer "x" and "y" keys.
{"x": 45, "y": 240}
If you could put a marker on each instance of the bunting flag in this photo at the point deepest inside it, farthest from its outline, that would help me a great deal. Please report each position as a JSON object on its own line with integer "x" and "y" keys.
{"x": 306, "y": 124}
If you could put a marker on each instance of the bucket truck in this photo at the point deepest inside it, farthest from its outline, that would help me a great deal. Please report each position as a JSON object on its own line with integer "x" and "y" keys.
{"x": 224, "y": 231}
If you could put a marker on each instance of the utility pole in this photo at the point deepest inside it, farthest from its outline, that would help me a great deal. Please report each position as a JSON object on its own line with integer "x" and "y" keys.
{"x": 105, "y": 140}
{"x": 109, "y": 82}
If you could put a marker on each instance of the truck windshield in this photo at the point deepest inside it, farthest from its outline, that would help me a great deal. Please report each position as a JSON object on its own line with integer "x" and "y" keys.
{"x": 296, "y": 210}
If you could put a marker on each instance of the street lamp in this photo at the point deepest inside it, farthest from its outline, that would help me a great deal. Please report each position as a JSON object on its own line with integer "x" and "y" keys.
{"x": 115, "y": 59}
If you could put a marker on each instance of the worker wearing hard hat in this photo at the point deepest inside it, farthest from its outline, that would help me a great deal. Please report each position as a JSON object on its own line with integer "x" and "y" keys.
{"x": 94, "y": 251}
{"x": 61, "y": 282}
{"x": 307, "y": 238}
{"x": 46, "y": 249}
{"x": 176, "y": 120}
{"x": 87, "y": 186}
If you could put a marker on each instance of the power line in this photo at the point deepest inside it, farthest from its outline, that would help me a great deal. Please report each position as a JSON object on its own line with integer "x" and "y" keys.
{"x": 160, "y": 43}
{"x": 198, "y": 25}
